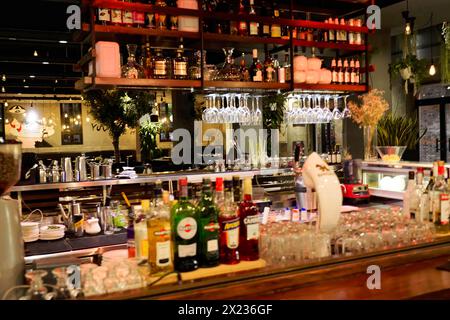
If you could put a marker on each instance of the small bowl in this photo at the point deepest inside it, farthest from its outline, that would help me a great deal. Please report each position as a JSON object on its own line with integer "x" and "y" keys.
{"x": 391, "y": 154}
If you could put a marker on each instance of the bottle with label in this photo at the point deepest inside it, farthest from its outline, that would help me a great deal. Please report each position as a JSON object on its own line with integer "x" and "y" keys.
{"x": 242, "y": 26}
{"x": 138, "y": 19}
{"x": 243, "y": 70}
{"x": 253, "y": 26}
{"x": 287, "y": 68}
{"x": 408, "y": 193}
{"x": 337, "y": 32}
{"x": 160, "y": 65}
{"x": 127, "y": 16}
{"x": 256, "y": 69}
{"x": 357, "y": 35}
{"x": 180, "y": 65}
{"x": 184, "y": 230}
{"x": 347, "y": 72}
{"x": 334, "y": 72}
{"x": 439, "y": 187}
{"x": 357, "y": 72}
{"x": 249, "y": 216}
{"x": 414, "y": 203}
{"x": 160, "y": 255}
{"x": 343, "y": 37}
{"x": 275, "y": 30}
{"x": 229, "y": 225}
{"x": 132, "y": 69}
{"x": 131, "y": 246}
{"x": 340, "y": 72}
{"x": 270, "y": 73}
{"x": 264, "y": 27}
{"x": 352, "y": 72}
{"x": 116, "y": 17}
{"x": 331, "y": 32}
{"x": 338, "y": 154}
{"x": 103, "y": 16}
{"x": 147, "y": 61}
{"x": 208, "y": 224}
{"x": 351, "y": 34}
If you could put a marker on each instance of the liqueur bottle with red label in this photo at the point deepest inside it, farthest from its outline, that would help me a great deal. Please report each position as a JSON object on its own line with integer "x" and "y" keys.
{"x": 229, "y": 225}
{"x": 184, "y": 230}
{"x": 249, "y": 216}
{"x": 208, "y": 224}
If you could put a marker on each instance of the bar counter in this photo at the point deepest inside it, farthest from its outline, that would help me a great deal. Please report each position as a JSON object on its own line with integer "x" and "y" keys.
{"x": 405, "y": 274}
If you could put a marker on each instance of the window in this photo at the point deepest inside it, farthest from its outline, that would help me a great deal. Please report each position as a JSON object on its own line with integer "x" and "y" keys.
{"x": 71, "y": 124}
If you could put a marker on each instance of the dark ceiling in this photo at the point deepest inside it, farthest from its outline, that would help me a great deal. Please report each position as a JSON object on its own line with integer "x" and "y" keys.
{"x": 38, "y": 26}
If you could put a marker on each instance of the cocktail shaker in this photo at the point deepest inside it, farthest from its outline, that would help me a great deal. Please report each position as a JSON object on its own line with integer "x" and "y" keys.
{"x": 67, "y": 168}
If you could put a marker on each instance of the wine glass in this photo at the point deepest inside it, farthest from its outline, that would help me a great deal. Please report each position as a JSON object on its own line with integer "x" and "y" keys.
{"x": 336, "y": 113}
{"x": 346, "y": 112}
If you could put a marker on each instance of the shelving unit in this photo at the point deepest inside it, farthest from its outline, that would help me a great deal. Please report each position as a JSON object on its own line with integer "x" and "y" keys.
{"x": 92, "y": 32}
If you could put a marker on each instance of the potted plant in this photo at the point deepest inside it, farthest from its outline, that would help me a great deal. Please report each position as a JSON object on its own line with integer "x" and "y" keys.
{"x": 366, "y": 112}
{"x": 395, "y": 134}
{"x": 411, "y": 69}
{"x": 118, "y": 110}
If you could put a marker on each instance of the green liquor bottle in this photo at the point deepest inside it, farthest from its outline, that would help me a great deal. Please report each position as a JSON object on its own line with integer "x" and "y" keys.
{"x": 184, "y": 230}
{"x": 208, "y": 223}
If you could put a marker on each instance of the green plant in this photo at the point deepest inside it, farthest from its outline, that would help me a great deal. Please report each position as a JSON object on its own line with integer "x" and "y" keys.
{"x": 410, "y": 64}
{"x": 273, "y": 107}
{"x": 393, "y": 130}
{"x": 148, "y": 132}
{"x": 118, "y": 110}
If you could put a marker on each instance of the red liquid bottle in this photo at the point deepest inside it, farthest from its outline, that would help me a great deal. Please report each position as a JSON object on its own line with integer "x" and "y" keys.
{"x": 229, "y": 223}
{"x": 249, "y": 216}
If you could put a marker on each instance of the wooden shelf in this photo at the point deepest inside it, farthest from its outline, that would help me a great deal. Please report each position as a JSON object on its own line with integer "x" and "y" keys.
{"x": 246, "y": 85}
{"x": 331, "y": 87}
{"x": 141, "y": 83}
{"x": 114, "y": 4}
{"x": 330, "y": 45}
{"x": 141, "y": 31}
{"x": 247, "y": 39}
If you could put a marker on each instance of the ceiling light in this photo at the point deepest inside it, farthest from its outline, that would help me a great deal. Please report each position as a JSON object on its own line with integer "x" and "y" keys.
{"x": 35, "y": 53}
{"x": 62, "y": 41}
{"x": 4, "y": 77}
{"x": 432, "y": 70}
{"x": 45, "y": 62}
{"x": 6, "y": 103}
{"x": 3, "y": 89}
{"x": 32, "y": 76}
{"x": 407, "y": 28}
{"x": 56, "y": 80}
{"x": 26, "y": 87}
{"x": 88, "y": 119}
{"x": 24, "y": 80}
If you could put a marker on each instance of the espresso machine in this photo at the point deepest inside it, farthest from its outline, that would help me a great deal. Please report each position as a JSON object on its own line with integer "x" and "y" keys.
{"x": 353, "y": 190}
{"x": 12, "y": 266}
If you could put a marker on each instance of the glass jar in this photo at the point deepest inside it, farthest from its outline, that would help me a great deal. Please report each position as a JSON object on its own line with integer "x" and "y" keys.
{"x": 160, "y": 66}
{"x": 229, "y": 71}
{"x": 132, "y": 69}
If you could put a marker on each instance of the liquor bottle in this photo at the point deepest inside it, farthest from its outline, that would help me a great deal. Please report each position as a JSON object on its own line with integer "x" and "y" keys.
{"x": 343, "y": 33}
{"x": 287, "y": 68}
{"x": 103, "y": 16}
{"x": 358, "y": 37}
{"x": 357, "y": 72}
{"x": 138, "y": 18}
{"x": 270, "y": 74}
{"x": 234, "y": 25}
{"x": 140, "y": 230}
{"x": 285, "y": 30}
{"x": 127, "y": 16}
{"x": 334, "y": 72}
{"x": 338, "y": 154}
{"x": 242, "y": 26}
{"x": 414, "y": 203}
{"x": 184, "y": 230}
{"x": 253, "y": 26}
{"x": 256, "y": 69}
{"x": 161, "y": 18}
{"x": 340, "y": 72}
{"x": 334, "y": 156}
{"x": 160, "y": 65}
{"x": 131, "y": 245}
{"x": 440, "y": 200}
{"x": 132, "y": 69}
{"x": 243, "y": 70}
{"x": 237, "y": 189}
{"x": 352, "y": 72}
{"x": 337, "y": 32}
{"x": 229, "y": 225}
{"x": 208, "y": 224}
{"x": 249, "y": 217}
{"x": 116, "y": 17}
{"x": 147, "y": 61}
{"x": 264, "y": 27}
{"x": 351, "y": 34}
{"x": 407, "y": 195}
{"x": 159, "y": 234}
{"x": 275, "y": 29}
{"x": 281, "y": 74}
{"x": 180, "y": 65}
{"x": 347, "y": 72}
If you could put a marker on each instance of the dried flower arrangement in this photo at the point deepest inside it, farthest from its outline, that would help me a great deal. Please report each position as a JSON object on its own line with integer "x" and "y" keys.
{"x": 370, "y": 108}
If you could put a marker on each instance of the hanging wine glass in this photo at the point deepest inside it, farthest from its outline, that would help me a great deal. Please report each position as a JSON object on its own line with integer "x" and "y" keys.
{"x": 336, "y": 113}
{"x": 346, "y": 112}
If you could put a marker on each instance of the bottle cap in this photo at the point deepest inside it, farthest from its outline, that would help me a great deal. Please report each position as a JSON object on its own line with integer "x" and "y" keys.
{"x": 441, "y": 170}
{"x": 183, "y": 182}
{"x": 255, "y": 53}
{"x": 219, "y": 184}
{"x": 420, "y": 169}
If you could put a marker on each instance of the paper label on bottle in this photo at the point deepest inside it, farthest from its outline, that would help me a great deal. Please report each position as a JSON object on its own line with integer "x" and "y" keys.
{"x": 180, "y": 68}
{"x": 139, "y": 17}
{"x": 104, "y": 14}
{"x": 187, "y": 250}
{"x": 163, "y": 253}
{"x": 132, "y": 73}
{"x": 252, "y": 225}
{"x": 242, "y": 25}
{"x": 347, "y": 77}
{"x": 445, "y": 207}
{"x": 295, "y": 215}
{"x": 276, "y": 31}
{"x": 334, "y": 76}
{"x": 304, "y": 215}
{"x": 266, "y": 29}
{"x": 160, "y": 68}
{"x": 116, "y": 16}
{"x": 187, "y": 228}
{"x": 231, "y": 229}
{"x": 127, "y": 17}
{"x": 254, "y": 28}
{"x": 258, "y": 76}
{"x": 212, "y": 245}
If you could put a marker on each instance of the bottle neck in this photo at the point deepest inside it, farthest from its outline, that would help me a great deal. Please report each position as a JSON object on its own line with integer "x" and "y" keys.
{"x": 247, "y": 197}
{"x": 183, "y": 192}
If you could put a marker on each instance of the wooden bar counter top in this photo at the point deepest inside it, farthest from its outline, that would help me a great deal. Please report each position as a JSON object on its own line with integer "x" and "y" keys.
{"x": 405, "y": 274}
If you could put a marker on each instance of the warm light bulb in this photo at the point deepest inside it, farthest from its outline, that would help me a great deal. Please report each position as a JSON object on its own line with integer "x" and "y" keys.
{"x": 3, "y": 89}
{"x": 432, "y": 70}
{"x": 66, "y": 115}
{"x": 88, "y": 119}
{"x": 407, "y": 29}
{"x": 4, "y": 77}
{"x": 6, "y": 104}
{"x": 35, "y": 53}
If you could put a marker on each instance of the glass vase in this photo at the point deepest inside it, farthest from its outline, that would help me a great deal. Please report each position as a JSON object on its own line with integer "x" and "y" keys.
{"x": 370, "y": 141}
{"x": 132, "y": 69}
{"x": 229, "y": 71}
